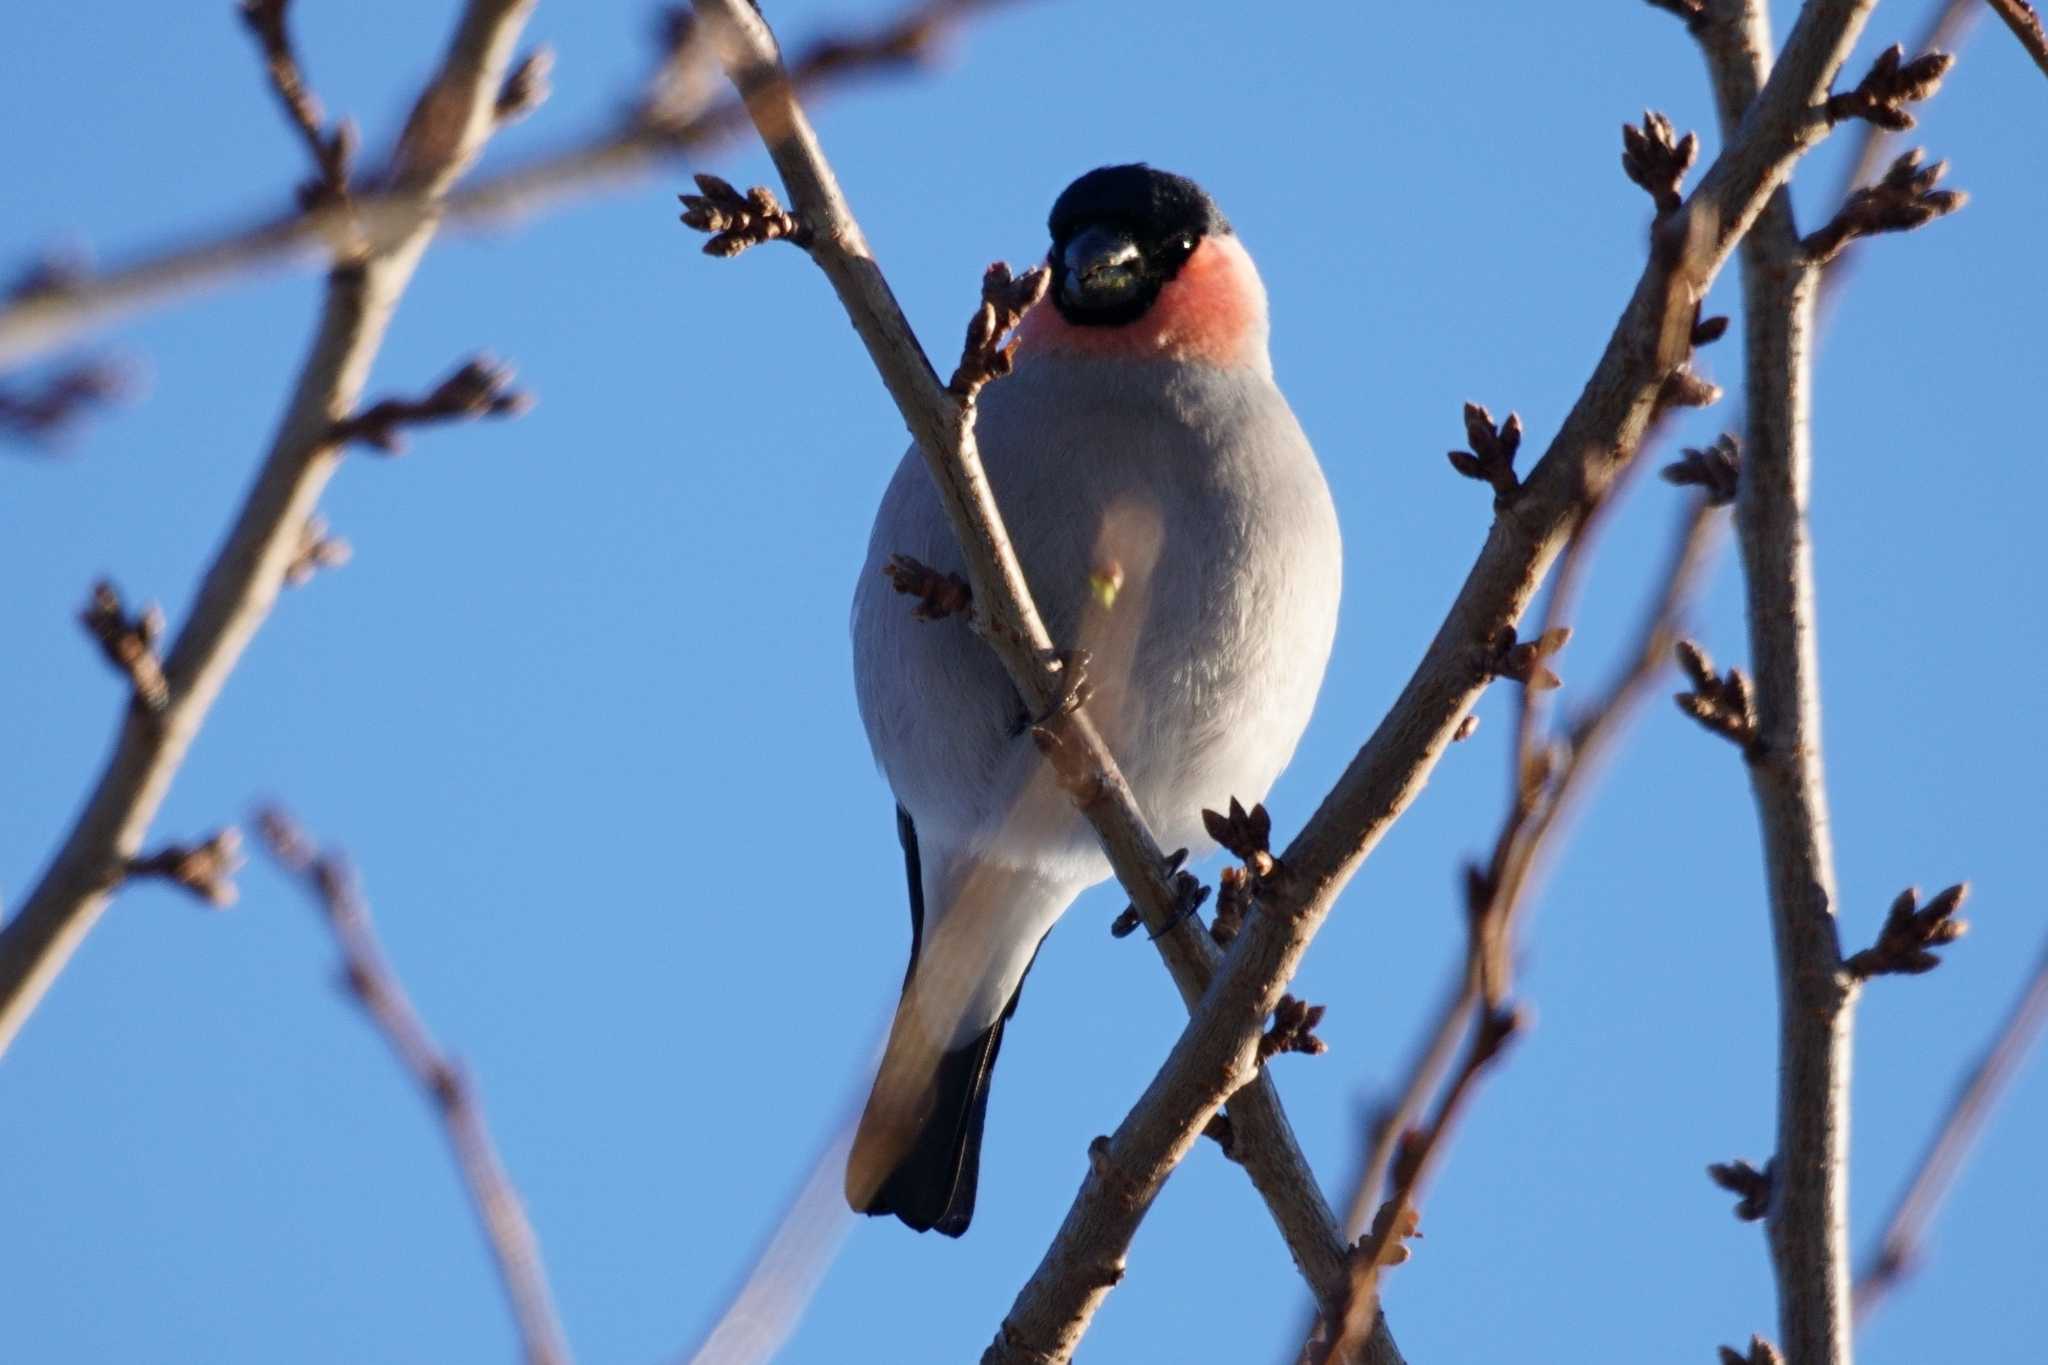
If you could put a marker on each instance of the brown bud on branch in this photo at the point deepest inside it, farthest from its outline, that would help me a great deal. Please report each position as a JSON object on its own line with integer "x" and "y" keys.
{"x": 479, "y": 389}
{"x": 527, "y": 88}
{"x": 1761, "y": 1352}
{"x": 129, "y": 642}
{"x": 1657, "y": 159}
{"x": 938, "y": 595}
{"x": 206, "y": 870}
{"x": 333, "y": 152}
{"x": 317, "y": 550}
{"x": 1721, "y": 702}
{"x": 1527, "y": 661}
{"x": 1492, "y": 457}
{"x": 1716, "y": 469}
{"x": 1752, "y": 1187}
{"x": 1892, "y": 83}
{"x": 1694, "y": 12}
{"x": 1905, "y": 945}
{"x": 1004, "y": 302}
{"x": 1293, "y": 1030}
{"x": 1246, "y": 834}
{"x": 737, "y": 221}
{"x": 1903, "y": 200}
{"x": 44, "y": 411}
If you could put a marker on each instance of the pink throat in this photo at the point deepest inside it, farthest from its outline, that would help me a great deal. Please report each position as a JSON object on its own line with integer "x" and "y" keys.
{"x": 1212, "y": 313}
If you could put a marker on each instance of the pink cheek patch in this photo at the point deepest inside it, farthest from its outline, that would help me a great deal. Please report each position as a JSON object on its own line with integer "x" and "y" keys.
{"x": 1212, "y": 313}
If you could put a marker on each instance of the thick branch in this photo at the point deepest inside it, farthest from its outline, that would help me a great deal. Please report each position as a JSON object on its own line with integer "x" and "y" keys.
{"x": 263, "y": 543}
{"x": 943, "y": 424}
{"x": 1599, "y": 437}
{"x": 1808, "y": 1206}
{"x": 367, "y": 974}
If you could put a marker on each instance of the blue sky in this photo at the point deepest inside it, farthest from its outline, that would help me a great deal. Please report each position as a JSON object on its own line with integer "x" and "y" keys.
{"x": 581, "y": 711}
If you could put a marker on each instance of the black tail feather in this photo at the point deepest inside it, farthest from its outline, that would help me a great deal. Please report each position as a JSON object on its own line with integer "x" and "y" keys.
{"x": 932, "y": 1188}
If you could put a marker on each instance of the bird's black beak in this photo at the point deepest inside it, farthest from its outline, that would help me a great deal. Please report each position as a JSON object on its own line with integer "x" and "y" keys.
{"x": 1103, "y": 268}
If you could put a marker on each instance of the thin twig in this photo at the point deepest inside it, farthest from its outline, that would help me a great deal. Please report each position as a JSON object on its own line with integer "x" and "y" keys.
{"x": 1897, "y": 1252}
{"x": 1548, "y": 778}
{"x": 266, "y": 538}
{"x": 2025, "y": 23}
{"x": 370, "y": 981}
{"x": 676, "y": 118}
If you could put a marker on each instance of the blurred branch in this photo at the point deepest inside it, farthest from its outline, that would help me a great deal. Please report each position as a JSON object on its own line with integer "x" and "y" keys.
{"x": 674, "y": 117}
{"x": 999, "y": 603}
{"x": 367, "y": 974}
{"x": 1897, "y": 1253}
{"x": 1778, "y": 724}
{"x": 762, "y": 1313}
{"x": 2025, "y": 23}
{"x": 454, "y": 117}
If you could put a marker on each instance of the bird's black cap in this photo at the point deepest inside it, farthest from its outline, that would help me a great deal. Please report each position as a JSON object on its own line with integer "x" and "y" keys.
{"x": 1138, "y": 199}
{"x": 1150, "y": 221}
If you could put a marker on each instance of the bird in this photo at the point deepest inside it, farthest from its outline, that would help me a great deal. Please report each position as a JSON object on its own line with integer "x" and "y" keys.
{"x": 1172, "y": 522}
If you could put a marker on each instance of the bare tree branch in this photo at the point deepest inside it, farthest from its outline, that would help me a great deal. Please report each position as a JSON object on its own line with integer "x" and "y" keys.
{"x": 1807, "y": 1219}
{"x": 1599, "y": 437}
{"x": 367, "y": 974}
{"x": 1003, "y": 612}
{"x": 676, "y": 117}
{"x": 2025, "y": 23}
{"x": 266, "y": 539}
{"x": 1549, "y": 775}
{"x": 1897, "y": 1253}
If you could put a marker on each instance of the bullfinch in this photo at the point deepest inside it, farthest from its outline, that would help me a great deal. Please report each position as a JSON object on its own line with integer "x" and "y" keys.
{"x": 1172, "y": 521}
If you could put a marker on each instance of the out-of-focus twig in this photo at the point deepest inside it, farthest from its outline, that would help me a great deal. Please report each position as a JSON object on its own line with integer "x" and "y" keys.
{"x": 45, "y": 410}
{"x": 267, "y": 537}
{"x": 1897, "y": 1253}
{"x": 370, "y": 981}
{"x": 677, "y": 116}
